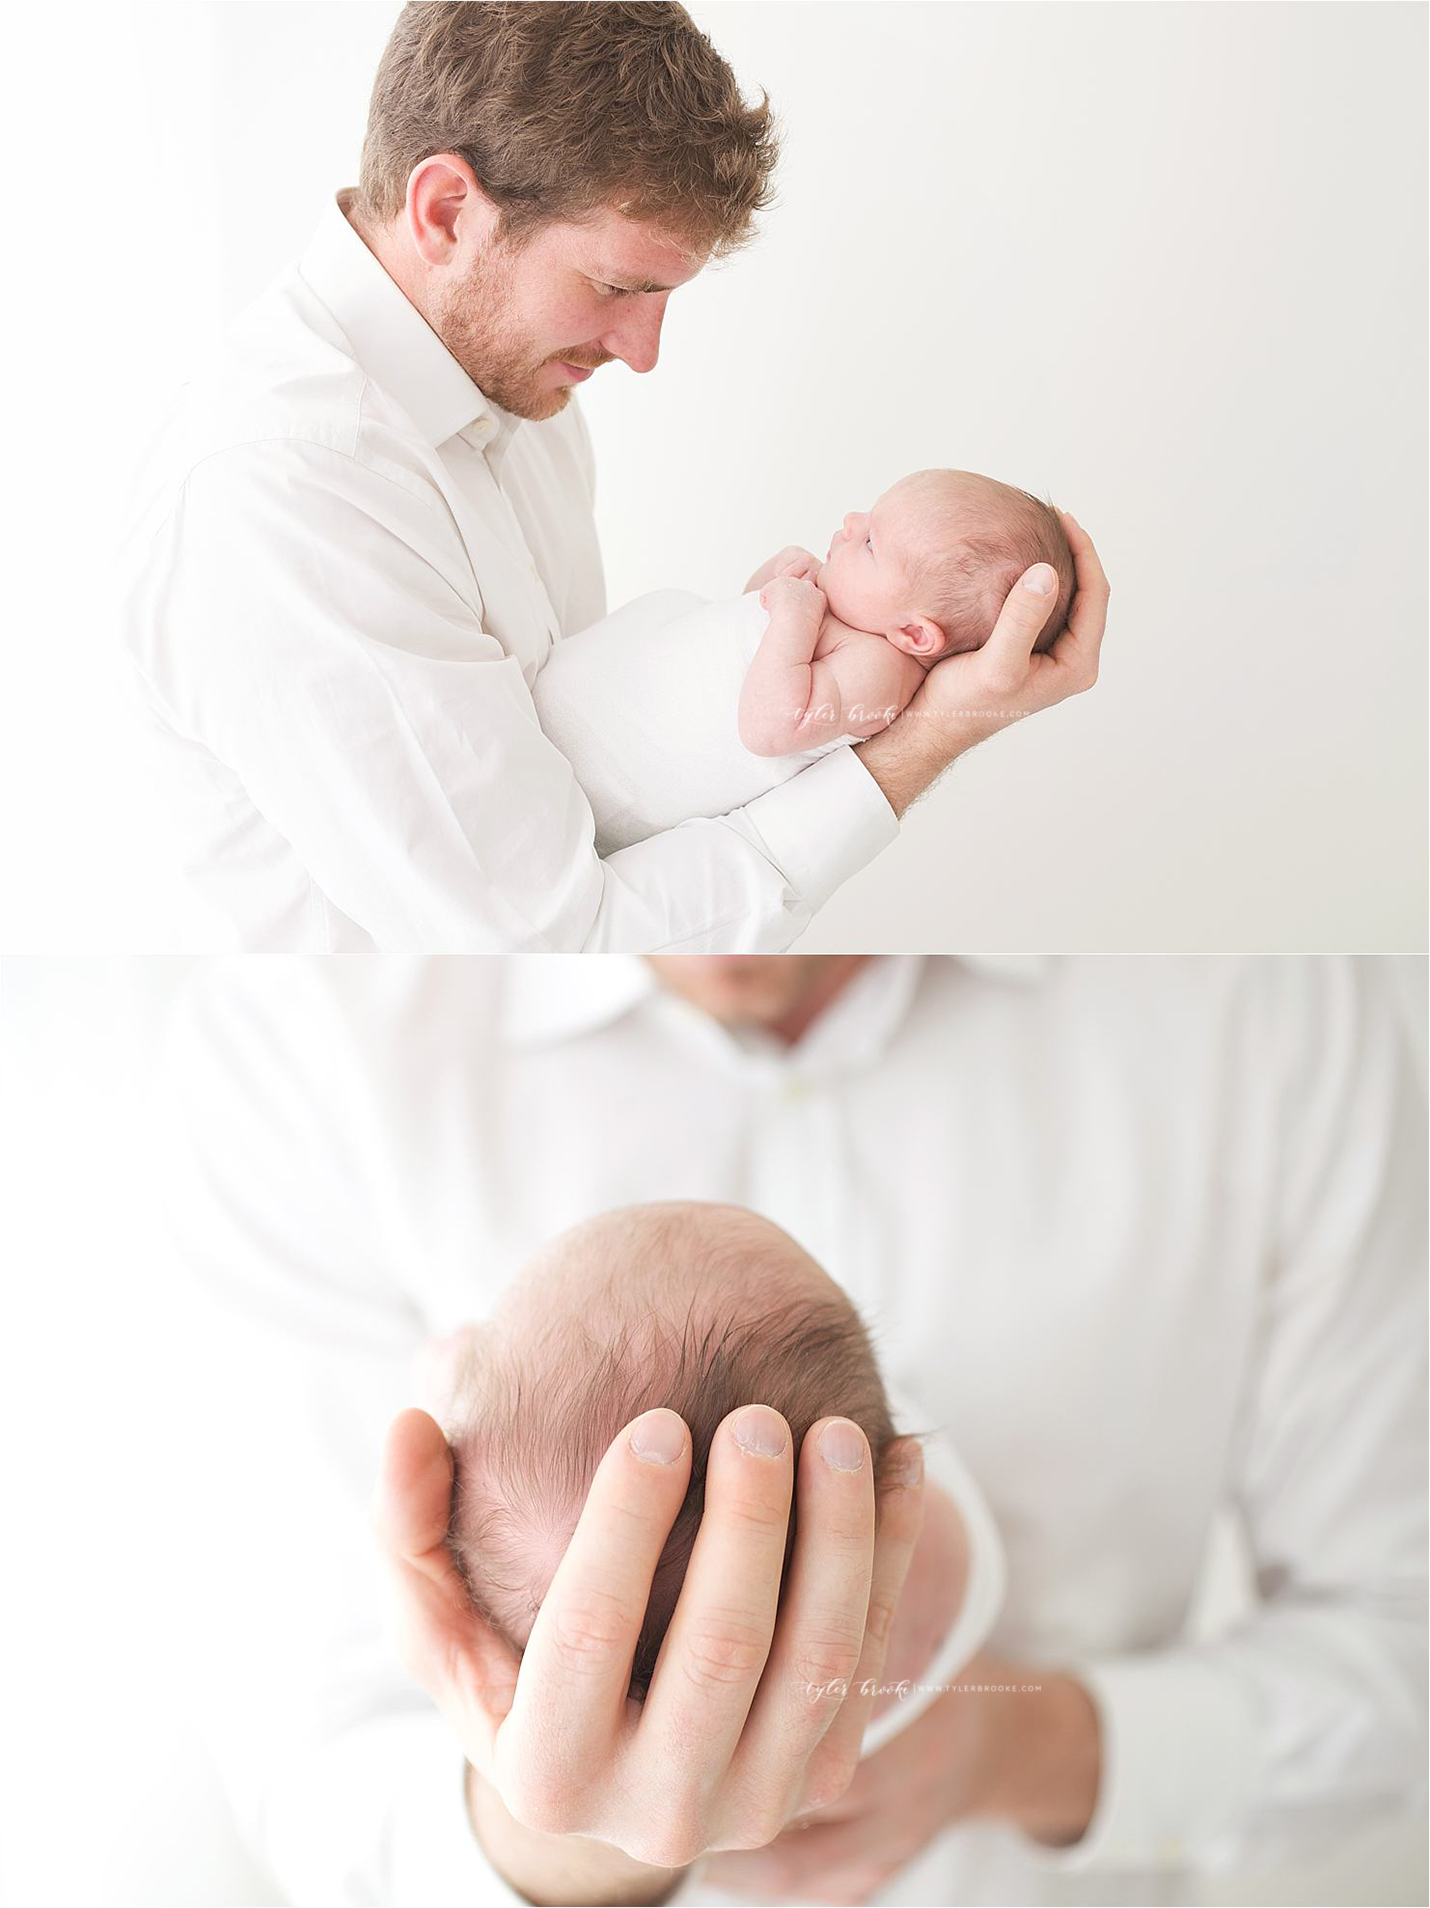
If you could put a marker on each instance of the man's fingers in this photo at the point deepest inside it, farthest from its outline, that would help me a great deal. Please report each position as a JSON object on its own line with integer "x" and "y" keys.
{"x": 719, "y": 1637}
{"x": 575, "y": 1675}
{"x": 821, "y": 1622}
{"x": 1091, "y": 577}
{"x": 899, "y": 1520}
{"x": 1078, "y": 648}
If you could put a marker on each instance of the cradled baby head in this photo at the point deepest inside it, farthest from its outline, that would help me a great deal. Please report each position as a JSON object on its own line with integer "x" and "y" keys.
{"x": 700, "y": 1308}
{"x": 973, "y": 538}
{"x": 932, "y": 562}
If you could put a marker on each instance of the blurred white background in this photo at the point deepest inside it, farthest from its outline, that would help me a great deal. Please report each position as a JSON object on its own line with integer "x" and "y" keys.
{"x": 1164, "y": 262}
{"x": 109, "y": 1796}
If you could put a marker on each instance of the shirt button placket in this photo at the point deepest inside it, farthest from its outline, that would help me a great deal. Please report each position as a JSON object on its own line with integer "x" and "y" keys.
{"x": 800, "y": 1170}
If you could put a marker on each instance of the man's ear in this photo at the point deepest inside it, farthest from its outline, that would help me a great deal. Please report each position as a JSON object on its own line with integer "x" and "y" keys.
{"x": 918, "y": 636}
{"x": 446, "y": 209}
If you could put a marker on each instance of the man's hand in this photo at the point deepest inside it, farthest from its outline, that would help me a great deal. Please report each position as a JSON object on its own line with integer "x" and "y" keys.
{"x": 795, "y": 595}
{"x": 968, "y": 697}
{"x": 1023, "y": 1755}
{"x": 729, "y": 1743}
{"x": 793, "y": 560}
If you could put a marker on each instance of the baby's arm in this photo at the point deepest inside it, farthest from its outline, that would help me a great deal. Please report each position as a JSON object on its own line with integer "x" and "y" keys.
{"x": 792, "y": 700}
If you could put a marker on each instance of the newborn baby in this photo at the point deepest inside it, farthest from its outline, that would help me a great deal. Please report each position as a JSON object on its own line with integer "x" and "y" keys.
{"x": 673, "y": 708}
{"x": 701, "y": 1308}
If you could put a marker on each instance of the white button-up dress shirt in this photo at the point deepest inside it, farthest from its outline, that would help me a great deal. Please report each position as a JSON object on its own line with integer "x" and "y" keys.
{"x": 1145, "y": 1238}
{"x": 342, "y": 569}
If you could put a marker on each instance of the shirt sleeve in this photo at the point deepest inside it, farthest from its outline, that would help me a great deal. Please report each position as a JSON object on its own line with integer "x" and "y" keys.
{"x": 1307, "y": 1720}
{"x": 314, "y": 629}
{"x": 345, "y": 1782}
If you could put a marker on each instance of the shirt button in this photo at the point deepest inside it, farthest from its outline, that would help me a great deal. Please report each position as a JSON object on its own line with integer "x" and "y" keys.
{"x": 796, "y": 1089}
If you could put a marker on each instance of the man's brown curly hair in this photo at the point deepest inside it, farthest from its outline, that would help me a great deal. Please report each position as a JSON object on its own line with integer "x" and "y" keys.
{"x": 561, "y": 109}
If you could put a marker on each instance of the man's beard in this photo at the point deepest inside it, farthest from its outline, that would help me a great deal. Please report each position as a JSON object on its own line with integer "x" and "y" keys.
{"x": 760, "y": 990}
{"x": 471, "y": 320}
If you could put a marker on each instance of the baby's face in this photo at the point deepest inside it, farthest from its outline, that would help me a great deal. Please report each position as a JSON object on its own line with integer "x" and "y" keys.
{"x": 869, "y": 577}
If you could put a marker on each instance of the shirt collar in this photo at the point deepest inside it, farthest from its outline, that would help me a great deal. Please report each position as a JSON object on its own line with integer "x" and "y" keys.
{"x": 563, "y": 996}
{"x": 393, "y": 342}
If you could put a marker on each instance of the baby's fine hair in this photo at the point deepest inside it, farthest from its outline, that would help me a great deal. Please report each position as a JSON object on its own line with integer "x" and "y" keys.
{"x": 969, "y": 578}
{"x": 532, "y": 1426}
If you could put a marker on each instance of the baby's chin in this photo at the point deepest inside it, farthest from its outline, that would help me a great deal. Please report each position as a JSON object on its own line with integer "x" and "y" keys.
{"x": 831, "y": 597}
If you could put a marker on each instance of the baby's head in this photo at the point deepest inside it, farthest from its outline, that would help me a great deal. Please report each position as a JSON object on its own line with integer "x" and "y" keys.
{"x": 931, "y": 564}
{"x": 700, "y": 1308}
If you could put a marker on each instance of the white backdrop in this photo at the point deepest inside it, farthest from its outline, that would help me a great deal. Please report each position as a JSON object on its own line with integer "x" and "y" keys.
{"x": 108, "y": 1794}
{"x": 1166, "y": 262}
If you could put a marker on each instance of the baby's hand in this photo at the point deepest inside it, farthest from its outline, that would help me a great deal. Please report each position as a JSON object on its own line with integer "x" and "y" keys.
{"x": 791, "y": 561}
{"x": 796, "y": 561}
{"x": 794, "y": 593}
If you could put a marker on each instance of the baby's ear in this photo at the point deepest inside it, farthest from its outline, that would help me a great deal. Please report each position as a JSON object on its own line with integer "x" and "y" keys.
{"x": 920, "y": 636}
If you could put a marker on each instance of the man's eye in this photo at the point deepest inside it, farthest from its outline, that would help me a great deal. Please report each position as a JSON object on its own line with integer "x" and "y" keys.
{"x": 610, "y": 291}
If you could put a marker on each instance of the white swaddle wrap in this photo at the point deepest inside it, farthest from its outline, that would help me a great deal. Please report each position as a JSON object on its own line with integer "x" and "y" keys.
{"x": 645, "y": 705}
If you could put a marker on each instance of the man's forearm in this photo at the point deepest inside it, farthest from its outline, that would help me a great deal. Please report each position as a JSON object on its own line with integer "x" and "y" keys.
{"x": 560, "y": 1869}
{"x": 910, "y": 755}
{"x": 1049, "y": 1780}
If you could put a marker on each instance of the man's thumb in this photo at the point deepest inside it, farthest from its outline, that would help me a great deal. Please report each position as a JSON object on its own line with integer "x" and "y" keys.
{"x": 1025, "y": 610}
{"x": 413, "y": 1500}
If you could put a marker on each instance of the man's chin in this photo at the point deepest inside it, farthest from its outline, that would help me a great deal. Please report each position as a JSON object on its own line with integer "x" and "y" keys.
{"x": 538, "y": 405}
{"x": 545, "y": 405}
{"x": 742, "y": 989}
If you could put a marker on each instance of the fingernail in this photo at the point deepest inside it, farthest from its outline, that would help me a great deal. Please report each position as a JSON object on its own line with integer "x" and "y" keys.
{"x": 658, "y": 1437}
{"x": 841, "y": 1445}
{"x": 1040, "y": 579}
{"x": 761, "y": 1432}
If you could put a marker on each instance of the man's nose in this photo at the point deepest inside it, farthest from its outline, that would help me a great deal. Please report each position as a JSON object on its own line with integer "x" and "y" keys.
{"x": 636, "y": 339}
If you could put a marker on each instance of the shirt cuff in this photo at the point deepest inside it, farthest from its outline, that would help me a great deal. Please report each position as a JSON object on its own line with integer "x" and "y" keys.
{"x": 821, "y": 826}
{"x": 1181, "y": 1753}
